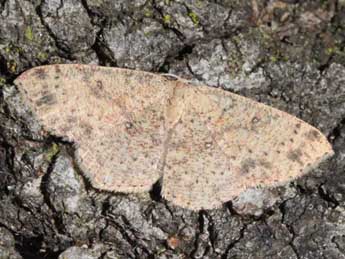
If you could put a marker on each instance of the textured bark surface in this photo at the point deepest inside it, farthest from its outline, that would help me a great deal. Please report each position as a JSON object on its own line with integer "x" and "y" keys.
{"x": 288, "y": 54}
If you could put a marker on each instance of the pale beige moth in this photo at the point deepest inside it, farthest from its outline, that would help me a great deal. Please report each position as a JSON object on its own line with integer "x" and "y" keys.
{"x": 132, "y": 128}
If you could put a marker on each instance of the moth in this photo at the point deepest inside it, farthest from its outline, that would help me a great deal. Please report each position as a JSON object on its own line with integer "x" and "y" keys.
{"x": 132, "y": 128}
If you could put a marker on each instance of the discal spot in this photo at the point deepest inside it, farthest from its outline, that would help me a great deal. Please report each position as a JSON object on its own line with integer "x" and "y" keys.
{"x": 48, "y": 99}
{"x": 266, "y": 164}
{"x": 295, "y": 156}
{"x": 255, "y": 120}
{"x": 208, "y": 144}
{"x": 129, "y": 125}
{"x": 247, "y": 165}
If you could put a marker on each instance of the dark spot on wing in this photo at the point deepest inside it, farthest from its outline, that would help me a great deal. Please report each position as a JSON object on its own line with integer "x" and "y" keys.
{"x": 155, "y": 140}
{"x": 40, "y": 73}
{"x": 85, "y": 73}
{"x": 129, "y": 125}
{"x": 208, "y": 144}
{"x": 295, "y": 156}
{"x": 98, "y": 90}
{"x": 255, "y": 120}
{"x": 57, "y": 69}
{"x": 313, "y": 135}
{"x": 266, "y": 164}
{"x": 87, "y": 128}
{"x": 131, "y": 128}
{"x": 71, "y": 120}
{"x": 99, "y": 84}
{"x": 247, "y": 165}
{"x": 48, "y": 99}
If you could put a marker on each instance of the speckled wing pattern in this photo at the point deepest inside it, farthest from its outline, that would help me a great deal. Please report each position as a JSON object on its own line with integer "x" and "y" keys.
{"x": 131, "y": 128}
{"x": 114, "y": 116}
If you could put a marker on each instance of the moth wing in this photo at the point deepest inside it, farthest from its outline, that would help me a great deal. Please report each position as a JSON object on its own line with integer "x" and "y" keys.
{"x": 197, "y": 173}
{"x": 269, "y": 146}
{"x": 223, "y": 144}
{"x": 114, "y": 116}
